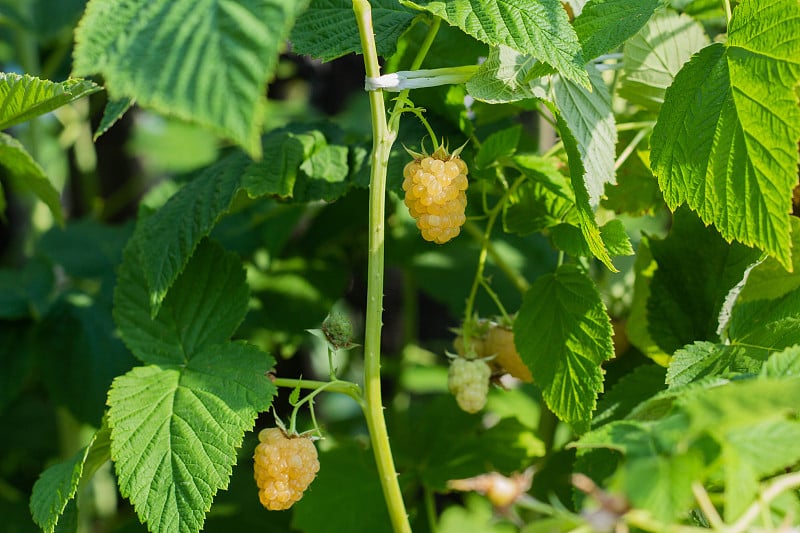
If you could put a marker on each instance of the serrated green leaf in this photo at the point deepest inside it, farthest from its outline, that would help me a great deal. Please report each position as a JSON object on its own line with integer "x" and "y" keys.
{"x": 590, "y": 119}
{"x": 503, "y": 77}
{"x": 113, "y": 111}
{"x": 696, "y": 270}
{"x": 541, "y": 202}
{"x": 653, "y": 57}
{"x": 499, "y": 144}
{"x": 769, "y": 324}
{"x": 23, "y": 97}
{"x": 175, "y": 429}
{"x": 327, "y": 29}
{"x": 603, "y": 25}
{"x": 586, "y": 220}
{"x": 535, "y": 28}
{"x": 25, "y": 174}
{"x": 207, "y": 303}
{"x": 738, "y": 174}
{"x": 284, "y": 152}
{"x": 324, "y": 174}
{"x": 206, "y": 62}
{"x": 168, "y": 238}
{"x": 570, "y": 239}
{"x": 705, "y": 359}
{"x": 770, "y": 279}
{"x": 628, "y": 392}
{"x": 56, "y": 486}
{"x": 563, "y": 334}
{"x": 783, "y": 364}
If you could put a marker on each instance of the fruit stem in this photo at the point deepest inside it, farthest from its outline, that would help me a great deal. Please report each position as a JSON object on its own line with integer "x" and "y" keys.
{"x": 382, "y": 140}
{"x": 485, "y": 240}
{"x": 342, "y": 387}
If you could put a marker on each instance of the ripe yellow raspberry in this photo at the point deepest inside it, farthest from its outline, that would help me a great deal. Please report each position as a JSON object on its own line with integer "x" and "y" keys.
{"x": 284, "y": 467}
{"x": 500, "y": 343}
{"x": 468, "y": 380}
{"x": 435, "y": 188}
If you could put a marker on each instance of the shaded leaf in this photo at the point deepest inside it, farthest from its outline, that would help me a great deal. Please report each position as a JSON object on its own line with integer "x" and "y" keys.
{"x": 206, "y": 305}
{"x": 653, "y": 57}
{"x": 25, "y": 174}
{"x": 603, "y": 25}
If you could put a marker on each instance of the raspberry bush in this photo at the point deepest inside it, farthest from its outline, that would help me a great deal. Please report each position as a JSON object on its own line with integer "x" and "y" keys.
{"x": 210, "y": 222}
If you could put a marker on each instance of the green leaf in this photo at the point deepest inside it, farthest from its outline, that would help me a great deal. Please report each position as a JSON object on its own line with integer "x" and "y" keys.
{"x": 739, "y": 173}
{"x": 18, "y": 356}
{"x": 206, "y": 62}
{"x": 603, "y": 25}
{"x": 327, "y": 29}
{"x": 25, "y": 174}
{"x": 57, "y": 485}
{"x": 168, "y": 238}
{"x": 588, "y": 114}
{"x": 653, "y": 57}
{"x": 86, "y": 248}
{"x": 23, "y": 97}
{"x": 284, "y": 152}
{"x": 570, "y": 239}
{"x": 113, "y": 111}
{"x": 563, "y": 334}
{"x": 205, "y": 306}
{"x": 535, "y": 28}
{"x": 768, "y": 324}
{"x": 696, "y": 270}
{"x": 783, "y": 364}
{"x": 503, "y": 77}
{"x": 770, "y": 280}
{"x": 663, "y": 485}
{"x": 586, "y": 219}
{"x": 638, "y": 326}
{"x": 704, "y": 359}
{"x": 320, "y": 510}
{"x": 541, "y": 202}
{"x": 324, "y": 174}
{"x": 628, "y": 392}
{"x": 498, "y": 145}
{"x": 175, "y": 429}
{"x": 80, "y": 353}
{"x": 26, "y": 292}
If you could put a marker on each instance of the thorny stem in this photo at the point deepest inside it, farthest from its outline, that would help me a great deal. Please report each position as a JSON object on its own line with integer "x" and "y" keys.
{"x": 382, "y": 139}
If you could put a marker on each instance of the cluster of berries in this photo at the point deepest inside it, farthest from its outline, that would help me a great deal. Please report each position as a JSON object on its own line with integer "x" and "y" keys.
{"x": 492, "y": 339}
{"x": 435, "y": 194}
{"x": 284, "y": 467}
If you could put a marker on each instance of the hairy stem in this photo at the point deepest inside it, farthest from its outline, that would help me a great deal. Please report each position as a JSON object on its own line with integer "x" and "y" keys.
{"x": 340, "y": 386}
{"x": 382, "y": 140}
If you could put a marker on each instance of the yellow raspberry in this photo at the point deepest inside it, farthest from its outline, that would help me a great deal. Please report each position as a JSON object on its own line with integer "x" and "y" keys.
{"x": 435, "y": 194}
{"x": 284, "y": 467}
{"x": 500, "y": 343}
